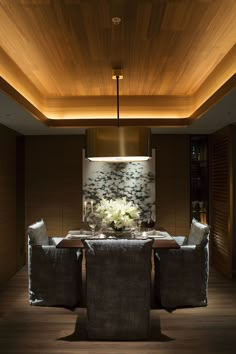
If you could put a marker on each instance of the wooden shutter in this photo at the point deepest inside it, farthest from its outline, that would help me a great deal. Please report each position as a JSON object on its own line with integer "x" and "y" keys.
{"x": 221, "y": 200}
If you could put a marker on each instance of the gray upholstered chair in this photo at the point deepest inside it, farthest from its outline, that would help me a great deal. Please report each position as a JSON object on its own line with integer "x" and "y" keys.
{"x": 181, "y": 275}
{"x": 118, "y": 277}
{"x": 55, "y": 275}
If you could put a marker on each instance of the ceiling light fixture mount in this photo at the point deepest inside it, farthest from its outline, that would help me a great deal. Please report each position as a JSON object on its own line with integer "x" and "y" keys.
{"x": 117, "y": 74}
{"x": 118, "y": 144}
{"x": 116, "y": 20}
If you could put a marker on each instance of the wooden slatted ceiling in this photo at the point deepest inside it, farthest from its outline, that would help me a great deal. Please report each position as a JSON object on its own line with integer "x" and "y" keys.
{"x": 167, "y": 49}
{"x": 67, "y": 48}
{"x": 220, "y": 184}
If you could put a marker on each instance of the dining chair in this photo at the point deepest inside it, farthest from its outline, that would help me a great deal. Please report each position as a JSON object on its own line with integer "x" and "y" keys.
{"x": 118, "y": 281}
{"x": 181, "y": 275}
{"x": 55, "y": 275}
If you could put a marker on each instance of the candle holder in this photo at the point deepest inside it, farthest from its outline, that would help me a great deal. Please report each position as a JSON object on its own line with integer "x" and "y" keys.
{"x": 84, "y": 214}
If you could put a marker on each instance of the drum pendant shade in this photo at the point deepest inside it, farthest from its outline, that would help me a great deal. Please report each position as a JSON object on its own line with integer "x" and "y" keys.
{"x": 116, "y": 143}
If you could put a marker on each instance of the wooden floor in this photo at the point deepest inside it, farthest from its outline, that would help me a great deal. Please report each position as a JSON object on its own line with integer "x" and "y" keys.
{"x": 40, "y": 330}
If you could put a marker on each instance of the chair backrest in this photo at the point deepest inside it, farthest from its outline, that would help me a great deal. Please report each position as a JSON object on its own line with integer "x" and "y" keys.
{"x": 37, "y": 234}
{"x": 55, "y": 275}
{"x": 199, "y": 233}
{"x": 181, "y": 275}
{"x": 118, "y": 275}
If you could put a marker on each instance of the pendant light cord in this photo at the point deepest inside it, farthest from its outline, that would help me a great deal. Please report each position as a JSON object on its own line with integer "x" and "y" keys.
{"x": 118, "y": 101}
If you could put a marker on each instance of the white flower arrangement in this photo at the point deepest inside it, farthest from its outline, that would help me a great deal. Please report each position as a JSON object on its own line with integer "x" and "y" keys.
{"x": 119, "y": 214}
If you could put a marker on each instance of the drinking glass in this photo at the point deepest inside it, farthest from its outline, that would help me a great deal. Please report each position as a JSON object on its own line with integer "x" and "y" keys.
{"x": 92, "y": 223}
{"x": 139, "y": 224}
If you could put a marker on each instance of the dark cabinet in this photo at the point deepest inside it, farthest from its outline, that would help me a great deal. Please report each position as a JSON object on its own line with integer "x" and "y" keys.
{"x": 199, "y": 178}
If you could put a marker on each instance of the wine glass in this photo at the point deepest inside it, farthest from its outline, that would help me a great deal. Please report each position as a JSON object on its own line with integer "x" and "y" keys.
{"x": 139, "y": 224}
{"x": 92, "y": 223}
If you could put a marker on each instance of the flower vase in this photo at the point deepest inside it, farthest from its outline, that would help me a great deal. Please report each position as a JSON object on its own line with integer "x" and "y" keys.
{"x": 122, "y": 232}
{"x": 118, "y": 233}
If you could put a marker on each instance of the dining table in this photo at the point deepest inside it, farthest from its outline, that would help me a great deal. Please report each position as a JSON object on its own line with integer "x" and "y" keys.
{"x": 161, "y": 239}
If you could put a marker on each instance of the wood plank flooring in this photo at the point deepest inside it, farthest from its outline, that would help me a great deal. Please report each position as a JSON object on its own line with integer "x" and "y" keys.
{"x": 36, "y": 330}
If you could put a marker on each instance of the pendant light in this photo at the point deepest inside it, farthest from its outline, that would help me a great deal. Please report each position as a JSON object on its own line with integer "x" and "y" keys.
{"x": 118, "y": 144}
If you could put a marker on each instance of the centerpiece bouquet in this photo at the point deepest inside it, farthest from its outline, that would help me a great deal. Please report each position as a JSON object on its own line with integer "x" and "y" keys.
{"x": 118, "y": 214}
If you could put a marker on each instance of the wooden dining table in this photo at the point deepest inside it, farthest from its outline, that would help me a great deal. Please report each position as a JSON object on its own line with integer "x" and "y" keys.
{"x": 163, "y": 241}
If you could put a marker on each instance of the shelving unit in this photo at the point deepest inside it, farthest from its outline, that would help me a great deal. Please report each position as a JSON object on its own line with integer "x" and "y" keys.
{"x": 199, "y": 200}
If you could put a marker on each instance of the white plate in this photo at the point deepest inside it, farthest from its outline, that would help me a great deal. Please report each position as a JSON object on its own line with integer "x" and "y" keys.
{"x": 79, "y": 232}
{"x": 71, "y": 237}
{"x": 74, "y": 232}
{"x": 87, "y": 236}
{"x": 156, "y": 236}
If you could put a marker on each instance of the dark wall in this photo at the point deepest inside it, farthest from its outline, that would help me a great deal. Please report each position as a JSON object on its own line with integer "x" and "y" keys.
{"x": 20, "y": 200}
{"x": 234, "y": 198}
{"x": 54, "y": 182}
{"x": 8, "y": 241}
{"x": 172, "y": 182}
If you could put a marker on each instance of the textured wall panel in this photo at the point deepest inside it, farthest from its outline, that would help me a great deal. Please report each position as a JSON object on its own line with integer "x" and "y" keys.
{"x": 8, "y": 249}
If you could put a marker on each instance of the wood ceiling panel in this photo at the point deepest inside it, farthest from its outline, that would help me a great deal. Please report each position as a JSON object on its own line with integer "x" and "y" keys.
{"x": 67, "y": 48}
{"x": 59, "y": 52}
